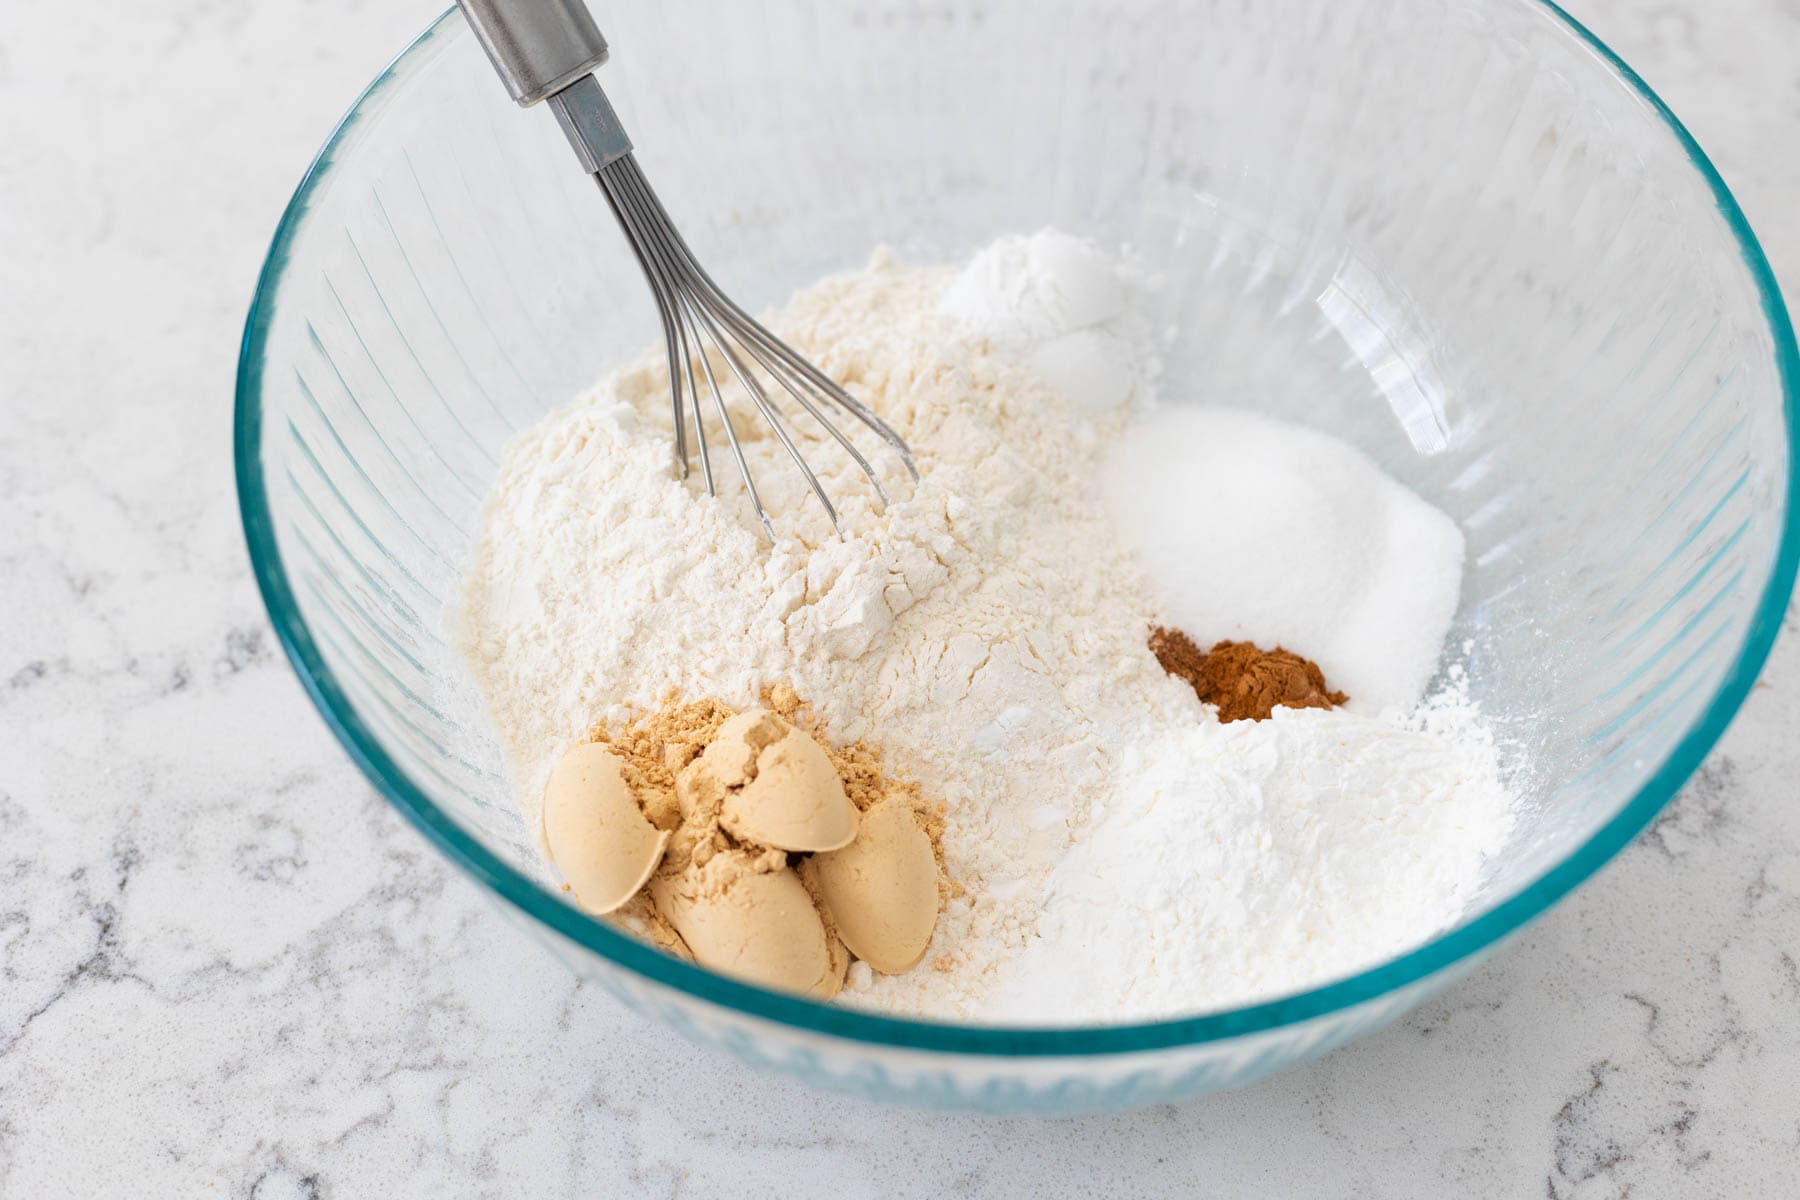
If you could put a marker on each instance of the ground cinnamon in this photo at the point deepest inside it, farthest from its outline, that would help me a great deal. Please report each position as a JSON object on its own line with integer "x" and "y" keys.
{"x": 1244, "y": 682}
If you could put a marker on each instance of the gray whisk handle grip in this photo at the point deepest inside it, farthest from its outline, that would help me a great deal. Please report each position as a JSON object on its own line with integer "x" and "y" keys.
{"x": 539, "y": 47}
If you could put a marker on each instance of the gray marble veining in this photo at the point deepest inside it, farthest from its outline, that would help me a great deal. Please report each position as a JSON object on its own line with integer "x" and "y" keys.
{"x": 227, "y": 970}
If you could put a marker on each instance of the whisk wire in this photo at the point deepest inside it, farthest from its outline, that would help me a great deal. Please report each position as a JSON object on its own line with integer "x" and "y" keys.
{"x": 762, "y": 356}
{"x": 665, "y": 282}
{"x": 737, "y": 449}
{"x": 695, "y": 312}
{"x": 679, "y": 275}
{"x": 677, "y": 330}
{"x": 548, "y": 51}
{"x": 747, "y": 379}
{"x": 674, "y": 340}
{"x": 751, "y": 329}
{"x": 636, "y": 192}
{"x": 687, "y": 366}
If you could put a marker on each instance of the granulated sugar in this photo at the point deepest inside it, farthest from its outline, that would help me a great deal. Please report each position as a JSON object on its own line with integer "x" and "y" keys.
{"x": 1263, "y": 531}
{"x": 988, "y": 633}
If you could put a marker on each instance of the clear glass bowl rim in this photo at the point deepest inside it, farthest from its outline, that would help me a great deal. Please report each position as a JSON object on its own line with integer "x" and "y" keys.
{"x": 1467, "y": 938}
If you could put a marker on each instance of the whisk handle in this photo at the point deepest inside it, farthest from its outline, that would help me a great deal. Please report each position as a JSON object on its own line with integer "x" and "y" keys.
{"x": 538, "y": 46}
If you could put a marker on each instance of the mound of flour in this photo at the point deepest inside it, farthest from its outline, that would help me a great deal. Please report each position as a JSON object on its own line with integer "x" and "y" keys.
{"x": 1233, "y": 863}
{"x": 987, "y": 632}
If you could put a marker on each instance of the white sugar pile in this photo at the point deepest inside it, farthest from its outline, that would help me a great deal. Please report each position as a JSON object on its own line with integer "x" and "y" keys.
{"x": 1258, "y": 530}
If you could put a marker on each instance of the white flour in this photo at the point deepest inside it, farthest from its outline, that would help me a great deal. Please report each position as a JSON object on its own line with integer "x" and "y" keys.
{"x": 1235, "y": 862}
{"x": 988, "y": 634}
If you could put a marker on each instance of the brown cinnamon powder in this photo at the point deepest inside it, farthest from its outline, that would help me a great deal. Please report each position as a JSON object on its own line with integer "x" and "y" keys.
{"x": 1246, "y": 683}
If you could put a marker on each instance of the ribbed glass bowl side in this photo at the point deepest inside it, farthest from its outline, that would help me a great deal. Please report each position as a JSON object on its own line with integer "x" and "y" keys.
{"x": 1463, "y": 235}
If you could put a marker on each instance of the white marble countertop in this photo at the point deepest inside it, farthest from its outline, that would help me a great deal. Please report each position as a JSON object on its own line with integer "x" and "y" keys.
{"x": 226, "y": 969}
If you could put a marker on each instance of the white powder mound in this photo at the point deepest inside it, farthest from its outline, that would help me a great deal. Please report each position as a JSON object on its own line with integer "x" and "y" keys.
{"x": 988, "y": 633}
{"x": 1060, "y": 306}
{"x": 1232, "y": 862}
{"x": 1263, "y": 531}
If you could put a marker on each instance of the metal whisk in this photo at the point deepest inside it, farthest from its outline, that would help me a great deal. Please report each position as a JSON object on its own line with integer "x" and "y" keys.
{"x": 548, "y": 50}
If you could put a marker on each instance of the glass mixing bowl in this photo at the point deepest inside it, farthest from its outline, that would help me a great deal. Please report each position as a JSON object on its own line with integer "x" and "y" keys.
{"x": 1460, "y": 233}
